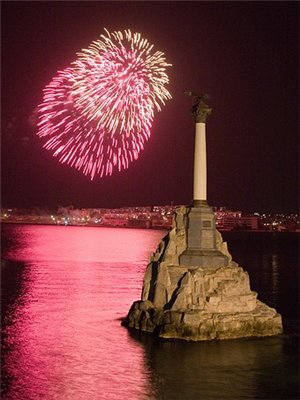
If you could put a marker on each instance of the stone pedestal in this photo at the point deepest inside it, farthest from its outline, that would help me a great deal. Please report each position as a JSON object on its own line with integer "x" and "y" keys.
{"x": 201, "y": 248}
{"x": 183, "y": 300}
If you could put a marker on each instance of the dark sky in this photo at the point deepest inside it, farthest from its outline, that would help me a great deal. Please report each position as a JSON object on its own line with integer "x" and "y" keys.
{"x": 244, "y": 54}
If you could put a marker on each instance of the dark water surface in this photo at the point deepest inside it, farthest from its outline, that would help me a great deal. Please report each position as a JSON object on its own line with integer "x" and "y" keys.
{"x": 65, "y": 289}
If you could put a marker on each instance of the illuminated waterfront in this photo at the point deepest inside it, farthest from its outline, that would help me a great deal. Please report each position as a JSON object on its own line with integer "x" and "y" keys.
{"x": 158, "y": 217}
{"x": 66, "y": 289}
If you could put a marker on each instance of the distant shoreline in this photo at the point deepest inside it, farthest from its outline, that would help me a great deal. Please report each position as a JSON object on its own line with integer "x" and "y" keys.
{"x": 162, "y": 228}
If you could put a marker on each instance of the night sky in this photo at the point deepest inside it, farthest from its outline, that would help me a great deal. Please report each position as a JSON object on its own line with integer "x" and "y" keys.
{"x": 244, "y": 54}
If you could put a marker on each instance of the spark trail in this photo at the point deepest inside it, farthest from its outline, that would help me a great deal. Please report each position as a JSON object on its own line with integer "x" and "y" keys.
{"x": 96, "y": 115}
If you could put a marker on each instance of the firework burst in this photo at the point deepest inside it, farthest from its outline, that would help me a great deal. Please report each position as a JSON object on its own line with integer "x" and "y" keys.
{"x": 97, "y": 114}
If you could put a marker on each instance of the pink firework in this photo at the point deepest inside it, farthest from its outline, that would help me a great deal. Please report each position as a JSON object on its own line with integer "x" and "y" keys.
{"x": 97, "y": 114}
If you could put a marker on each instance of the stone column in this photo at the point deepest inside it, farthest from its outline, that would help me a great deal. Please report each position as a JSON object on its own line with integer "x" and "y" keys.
{"x": 201, "y": 248}
{"x": 200, "y": 175}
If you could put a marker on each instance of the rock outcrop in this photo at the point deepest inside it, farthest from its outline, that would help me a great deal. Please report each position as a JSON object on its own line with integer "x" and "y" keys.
{"x": 199, "y": 303}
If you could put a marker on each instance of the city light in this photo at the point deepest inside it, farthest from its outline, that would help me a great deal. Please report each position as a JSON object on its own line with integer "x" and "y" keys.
{"x": 157, "y": 217}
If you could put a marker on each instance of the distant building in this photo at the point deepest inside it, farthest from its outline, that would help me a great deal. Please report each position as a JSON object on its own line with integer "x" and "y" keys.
{"x": 229, "y": 220}
{"x": 231, "y": 223}
{"x": 157, "y": 217}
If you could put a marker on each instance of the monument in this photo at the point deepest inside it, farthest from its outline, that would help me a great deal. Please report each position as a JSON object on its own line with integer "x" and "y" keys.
{"x": 192, "y": 288}
{"x": 201, "y": 230}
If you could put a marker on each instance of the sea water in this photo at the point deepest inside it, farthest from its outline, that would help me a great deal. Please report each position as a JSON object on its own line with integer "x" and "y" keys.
{"x": 66, "y": 289}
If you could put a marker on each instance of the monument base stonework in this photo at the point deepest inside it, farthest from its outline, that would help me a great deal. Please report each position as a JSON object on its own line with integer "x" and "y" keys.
{"x": 201, "y": 239}
{"x": 198, "y": 303}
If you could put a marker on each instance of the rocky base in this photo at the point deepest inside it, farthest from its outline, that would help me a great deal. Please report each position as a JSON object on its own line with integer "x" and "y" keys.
{"x": 198, "y": 302}
{"x": 200, "y": 325}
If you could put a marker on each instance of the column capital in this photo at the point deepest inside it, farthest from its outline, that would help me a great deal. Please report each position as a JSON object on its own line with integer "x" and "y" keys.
{"x": 200, "y": 110}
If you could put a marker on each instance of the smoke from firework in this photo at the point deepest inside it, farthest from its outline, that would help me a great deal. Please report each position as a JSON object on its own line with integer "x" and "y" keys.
{"x": 97, "y": 114}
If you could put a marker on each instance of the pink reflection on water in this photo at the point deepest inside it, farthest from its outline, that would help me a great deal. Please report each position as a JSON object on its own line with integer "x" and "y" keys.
{"x": 52, "y": 243}
{"x": 64, "y": 331}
